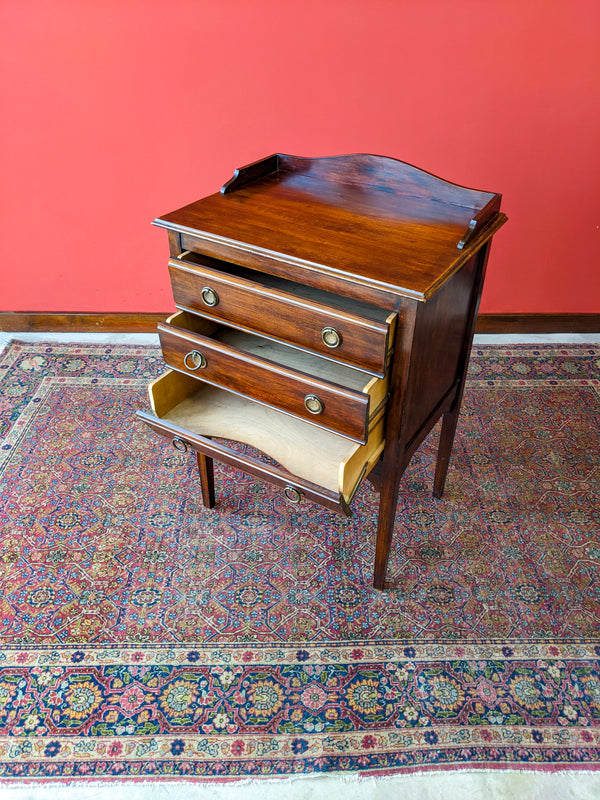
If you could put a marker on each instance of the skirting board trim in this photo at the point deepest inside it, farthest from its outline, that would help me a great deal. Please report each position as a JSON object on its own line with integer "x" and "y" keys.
{"x": 146, "y": 322}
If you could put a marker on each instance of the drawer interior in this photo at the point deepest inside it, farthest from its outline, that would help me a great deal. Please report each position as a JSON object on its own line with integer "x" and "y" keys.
{"x": 347, "y": 304}
{"x": 313, "y": 454}
{"x": 287, "y": 356}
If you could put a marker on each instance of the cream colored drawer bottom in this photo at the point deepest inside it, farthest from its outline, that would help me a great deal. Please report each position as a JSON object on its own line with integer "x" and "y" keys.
{"x": 310, "y": 454}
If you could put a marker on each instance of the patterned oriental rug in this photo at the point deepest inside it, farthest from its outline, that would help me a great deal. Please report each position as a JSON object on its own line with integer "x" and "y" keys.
{"x": 142, "y": 635}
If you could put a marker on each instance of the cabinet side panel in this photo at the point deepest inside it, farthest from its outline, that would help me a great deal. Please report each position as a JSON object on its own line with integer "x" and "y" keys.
{"x": 436, "y": 363}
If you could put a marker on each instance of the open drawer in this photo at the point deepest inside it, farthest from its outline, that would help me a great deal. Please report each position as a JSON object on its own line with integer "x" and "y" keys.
{"x": 332, "y": 326}
{"x": 309, "y": 461}
{"x": 321, "y": 392}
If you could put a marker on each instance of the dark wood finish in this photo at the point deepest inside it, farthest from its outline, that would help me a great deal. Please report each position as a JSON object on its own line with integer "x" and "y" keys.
{"x": 344, "y": 411}
{"x": 359, "y": 225}
{"x": 354, "y": 299}
{"x": 175, "y": 243}
{"x": 145, "y": 322}
{"x": 450, "y": 417}
{"x": 347, "y": 285}
{"x": 319, "y": 214}
{"x": 251, "y": 172}
{"x": 296, "y": 321}
{"x": 440, "y": 332}
{"x": 394, "y": 455}
{"x": 377, "y": 172}
{"x": 364, "y": 227}
{"x": 538, "y": 323}
{"x": 207, "y": 479}
{"x": 50, "y": 322}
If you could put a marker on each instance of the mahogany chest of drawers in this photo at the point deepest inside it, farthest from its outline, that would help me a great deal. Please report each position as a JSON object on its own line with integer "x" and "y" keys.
{"x": 326, "y": 310}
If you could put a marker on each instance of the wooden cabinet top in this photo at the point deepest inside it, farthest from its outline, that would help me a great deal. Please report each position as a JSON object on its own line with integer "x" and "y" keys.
{"x": 368, "y": 219}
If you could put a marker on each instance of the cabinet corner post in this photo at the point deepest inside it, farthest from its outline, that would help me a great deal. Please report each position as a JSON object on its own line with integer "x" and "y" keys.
{"x": 394, "y": 456}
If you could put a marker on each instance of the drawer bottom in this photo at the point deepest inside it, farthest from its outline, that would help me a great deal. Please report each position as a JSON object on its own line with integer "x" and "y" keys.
{"x": 311, "y": 457}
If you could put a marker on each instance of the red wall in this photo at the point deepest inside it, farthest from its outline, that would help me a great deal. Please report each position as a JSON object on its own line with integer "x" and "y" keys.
{"x": 121, "y": 110}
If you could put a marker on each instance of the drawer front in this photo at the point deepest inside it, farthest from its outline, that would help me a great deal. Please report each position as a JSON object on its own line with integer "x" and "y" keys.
{"x": 311, "y": 399}
{"x": 315, "y": 327}
{"x": 294, "y": 488}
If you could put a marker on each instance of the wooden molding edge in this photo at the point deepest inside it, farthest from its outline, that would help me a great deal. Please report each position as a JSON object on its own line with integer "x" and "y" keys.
{"x": 51, "y": 322}
{"x": 538, "y": 323}
{"x": 143, "y": 322}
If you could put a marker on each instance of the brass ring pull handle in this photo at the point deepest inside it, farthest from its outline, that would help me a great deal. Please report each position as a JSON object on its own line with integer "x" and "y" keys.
{"x": 179, "y": 444}
{"x": 194, "y": 360}
{"x": 292, "y": 494}
{"x": 209, "y": 296}
{"x": 331, "y": 338}
{"x": 313, "y": 404}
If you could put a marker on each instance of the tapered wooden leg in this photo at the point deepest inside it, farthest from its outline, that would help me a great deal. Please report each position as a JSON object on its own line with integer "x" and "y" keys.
{"x": 394, "y": 454}
{"x": 390, "y": 484}
{"x": 449, "y": 423}
{"x": 450, "y": 418}
{"x": 385, "y": 527}
{"x": 207, "y": 480}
